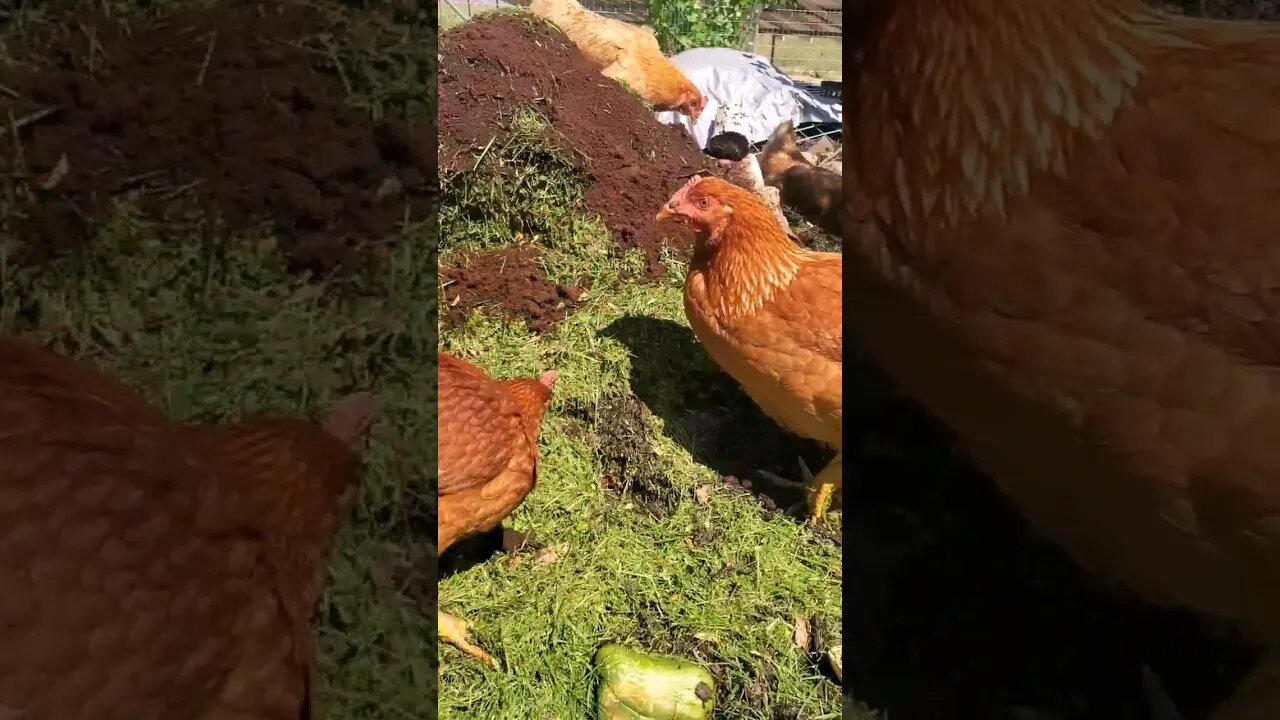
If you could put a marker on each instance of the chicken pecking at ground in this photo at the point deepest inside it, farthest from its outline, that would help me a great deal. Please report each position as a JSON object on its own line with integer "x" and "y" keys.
{"x": 816, "y": 193}
{"x": 624, "y": 53}
{"x": 768, "y": 313}
{"x": 160, "y": 570}
{"x": 1063, "y": 241}
{"x": 488, "y": 432}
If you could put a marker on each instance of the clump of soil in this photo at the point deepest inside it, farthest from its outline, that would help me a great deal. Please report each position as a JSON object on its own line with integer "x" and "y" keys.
{"x": 226, "y": 110}
{"x": 510, "y": 281}
{"x": 623, "y": 440}
{"x": 811, "y": 236}
{"x": 496, "y": 65}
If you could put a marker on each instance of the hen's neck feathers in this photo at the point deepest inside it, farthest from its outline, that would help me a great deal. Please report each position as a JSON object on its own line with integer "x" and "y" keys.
{"x": 747, "y": 261}
{"x": 959, "y": 101}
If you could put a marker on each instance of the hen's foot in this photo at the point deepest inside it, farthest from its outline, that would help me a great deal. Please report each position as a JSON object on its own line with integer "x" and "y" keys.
{"x": 819, "y": 491}
{"x": 454, "y": 631}
{"x": 824, "y": 486}
{"x": 779, "y": 480}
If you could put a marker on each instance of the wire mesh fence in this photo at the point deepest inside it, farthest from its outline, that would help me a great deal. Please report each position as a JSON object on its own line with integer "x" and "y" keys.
{"x": 802, "y": 41}
{"x": 456, "y": 12}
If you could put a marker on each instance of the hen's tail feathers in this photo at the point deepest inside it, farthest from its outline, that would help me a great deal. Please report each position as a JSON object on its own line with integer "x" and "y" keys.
{"x": 780, "y": 153}
{"x": 349, "y": 419}
{"x": 533, "y": 396}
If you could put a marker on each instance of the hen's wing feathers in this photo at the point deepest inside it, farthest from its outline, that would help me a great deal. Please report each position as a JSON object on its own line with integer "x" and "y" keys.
{"x": 810, "y": 308}
{"x": 478, "y": 422}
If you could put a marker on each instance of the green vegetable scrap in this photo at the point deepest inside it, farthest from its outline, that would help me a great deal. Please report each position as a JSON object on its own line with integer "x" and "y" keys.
{"x": 639, "y": 686}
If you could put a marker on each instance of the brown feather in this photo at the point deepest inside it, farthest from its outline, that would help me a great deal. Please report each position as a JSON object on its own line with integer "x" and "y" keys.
{"x": 488, "y": 446}
{"x": 166, "y": 570}
{"x": 1064, "y": 247}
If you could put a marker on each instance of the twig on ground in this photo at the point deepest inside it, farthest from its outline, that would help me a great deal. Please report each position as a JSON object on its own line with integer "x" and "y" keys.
{"x": 208, "y": 55}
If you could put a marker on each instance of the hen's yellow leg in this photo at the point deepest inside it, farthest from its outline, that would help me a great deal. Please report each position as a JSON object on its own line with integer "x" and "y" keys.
{"x": 822, "y": 487}
{"x": 1258, "y": 697}
{"x": 454, "y": 631}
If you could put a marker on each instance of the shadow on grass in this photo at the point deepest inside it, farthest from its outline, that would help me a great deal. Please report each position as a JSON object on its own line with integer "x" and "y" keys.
{"x": 954, "y": 609}
{"x": 706, "y": 412}
{"x": 478, "y": 549}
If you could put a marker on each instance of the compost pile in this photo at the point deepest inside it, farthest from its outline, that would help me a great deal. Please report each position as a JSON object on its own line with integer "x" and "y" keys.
{"x": 232, "y": 111}
{"x": 492, "y": 67}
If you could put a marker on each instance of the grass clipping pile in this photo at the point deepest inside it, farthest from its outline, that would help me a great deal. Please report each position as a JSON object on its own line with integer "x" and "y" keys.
{"x": 236, "y": 112}
{"x": 495, "y": 73}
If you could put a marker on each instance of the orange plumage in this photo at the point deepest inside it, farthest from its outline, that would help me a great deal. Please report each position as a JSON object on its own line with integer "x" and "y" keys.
{"x": 1063, "y": 242}
{"x": 159, "y": 570}
{"x": 768, "y": 312}
{"x": 624, "y": 53}
{"x": 488, "y": 441}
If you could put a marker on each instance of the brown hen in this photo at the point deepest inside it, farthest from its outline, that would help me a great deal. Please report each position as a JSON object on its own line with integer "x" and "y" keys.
{"x": 625, "y": 53}
{"x": 768, "y": 313}
{"x": 816, "y": 193}
{"x": 1063, "y": 243}
{"x": 488, "y": 440}
{"x": 158, "y": 570}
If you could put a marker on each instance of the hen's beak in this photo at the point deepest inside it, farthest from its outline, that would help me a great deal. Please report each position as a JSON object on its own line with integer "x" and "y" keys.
{"x": 665, "y": 214}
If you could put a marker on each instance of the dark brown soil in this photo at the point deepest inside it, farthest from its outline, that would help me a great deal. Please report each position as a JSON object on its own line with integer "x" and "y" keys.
{"x": 1231, "y": 9}
{"x": 492, "y": 67}
{"x": 620, "y": 432}
{"x": 811, "y": 236}
{"x": 220, "y": 110}
{"x": 509, "y": 281}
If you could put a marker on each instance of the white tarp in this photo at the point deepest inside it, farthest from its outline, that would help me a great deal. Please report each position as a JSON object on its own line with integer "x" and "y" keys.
{"x": 747, "y": 94}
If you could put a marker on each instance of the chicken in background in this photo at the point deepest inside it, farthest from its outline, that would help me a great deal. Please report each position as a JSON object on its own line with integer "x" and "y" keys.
{"x": 488, "y": 440}
{"x": 1066, "y": 250}
{"x": 768, "y": 312}
{"x": 816, "y": 193}
{"x": 160, "y": 570}
{"x": 733, "y": 155}
{"x": 728, "y": 145}
{"x": 626, "y": 54}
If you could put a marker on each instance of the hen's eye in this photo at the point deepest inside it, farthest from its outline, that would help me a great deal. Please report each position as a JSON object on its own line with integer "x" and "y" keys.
{"x": 704, "y": 203}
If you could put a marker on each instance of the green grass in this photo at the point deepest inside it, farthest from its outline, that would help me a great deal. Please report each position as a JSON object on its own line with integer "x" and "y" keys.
{"x": 718, "y": 583}
{"x": 211, "y": 335}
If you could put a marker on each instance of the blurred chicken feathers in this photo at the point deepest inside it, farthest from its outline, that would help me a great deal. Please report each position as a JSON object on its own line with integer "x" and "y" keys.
{"x": 152, "y": 587}
{"x": 1095, "y": 227}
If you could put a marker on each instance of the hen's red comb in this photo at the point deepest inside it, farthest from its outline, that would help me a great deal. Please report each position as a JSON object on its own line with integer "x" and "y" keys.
{"x": 687, "y": 186}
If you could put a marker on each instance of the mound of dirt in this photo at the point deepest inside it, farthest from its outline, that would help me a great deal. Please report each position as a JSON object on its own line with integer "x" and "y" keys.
{"x": 227, "y": 110}
{"x": 623, "y": 440}
{"x": 510, "y": 281}
{"x": 491, "y": 67}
